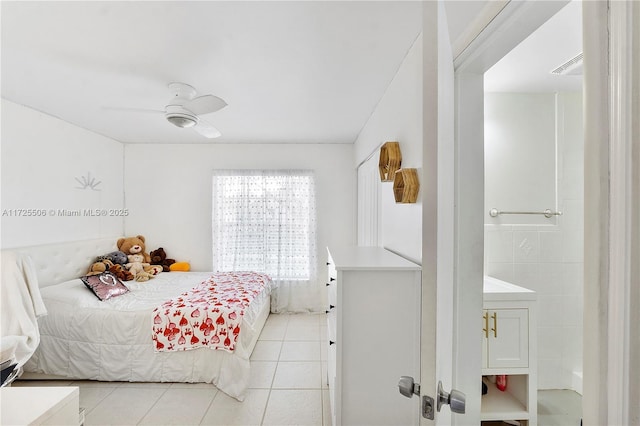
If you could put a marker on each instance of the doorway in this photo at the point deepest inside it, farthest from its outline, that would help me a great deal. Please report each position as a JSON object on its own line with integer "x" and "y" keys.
{"x": 534, "y": 163}
{"x": 494, "y": 40}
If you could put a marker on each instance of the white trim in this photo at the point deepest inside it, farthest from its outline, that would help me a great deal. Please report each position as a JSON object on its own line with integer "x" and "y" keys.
{"x": 488, "y": 13}
{"x": 515, "y": 21}
{"x": 596, "y": 208}
{"x": 620, "y": 146}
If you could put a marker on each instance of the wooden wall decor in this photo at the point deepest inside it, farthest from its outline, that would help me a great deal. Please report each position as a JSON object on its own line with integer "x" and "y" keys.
{"x": 390, "y": 161}
{"x": 406, "y": 186}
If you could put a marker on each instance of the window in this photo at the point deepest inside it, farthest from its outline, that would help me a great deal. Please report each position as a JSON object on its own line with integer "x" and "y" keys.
{"x": 264, "y": 220}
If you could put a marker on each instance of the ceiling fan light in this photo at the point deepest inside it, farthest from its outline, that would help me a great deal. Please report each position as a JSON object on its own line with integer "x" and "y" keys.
{"x": 182, "y": 120}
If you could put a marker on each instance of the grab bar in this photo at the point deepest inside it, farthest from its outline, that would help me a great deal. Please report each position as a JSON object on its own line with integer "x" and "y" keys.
{"x": 547, "y": 213}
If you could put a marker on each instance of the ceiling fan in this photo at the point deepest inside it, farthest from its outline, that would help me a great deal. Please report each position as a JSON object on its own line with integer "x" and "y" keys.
{"x": 185, "y": 109}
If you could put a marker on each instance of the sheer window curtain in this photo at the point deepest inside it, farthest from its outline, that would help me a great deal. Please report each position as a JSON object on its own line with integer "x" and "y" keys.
{"x": 265, "y": 221}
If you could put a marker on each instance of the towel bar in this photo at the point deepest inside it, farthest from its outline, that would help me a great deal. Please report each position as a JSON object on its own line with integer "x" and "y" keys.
{"x": 547, "y": 213}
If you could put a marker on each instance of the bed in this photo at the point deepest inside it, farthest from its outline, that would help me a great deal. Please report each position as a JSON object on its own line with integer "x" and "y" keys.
{"x": 82, "y": 337}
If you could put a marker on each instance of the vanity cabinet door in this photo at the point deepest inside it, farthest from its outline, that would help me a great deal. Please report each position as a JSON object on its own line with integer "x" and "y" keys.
{"x": 506, "y": 341}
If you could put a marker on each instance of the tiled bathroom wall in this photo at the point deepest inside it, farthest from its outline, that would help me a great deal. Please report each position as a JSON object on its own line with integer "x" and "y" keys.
{"x": 549, "y": 258}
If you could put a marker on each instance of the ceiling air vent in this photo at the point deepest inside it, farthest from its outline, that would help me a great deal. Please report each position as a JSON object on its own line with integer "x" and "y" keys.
{"x": 572, "y": 67}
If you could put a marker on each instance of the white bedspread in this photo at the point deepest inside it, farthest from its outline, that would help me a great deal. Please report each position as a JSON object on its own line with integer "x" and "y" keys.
{"x": 85, "y": 338}
{"x": 21, "y": 305}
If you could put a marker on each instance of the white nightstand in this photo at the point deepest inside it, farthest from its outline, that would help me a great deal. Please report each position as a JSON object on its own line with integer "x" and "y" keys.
{"x": 39, "y": 405}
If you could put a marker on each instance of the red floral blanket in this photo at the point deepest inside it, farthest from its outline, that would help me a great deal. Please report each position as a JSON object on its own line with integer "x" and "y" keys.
{"x": 209, "y": 315}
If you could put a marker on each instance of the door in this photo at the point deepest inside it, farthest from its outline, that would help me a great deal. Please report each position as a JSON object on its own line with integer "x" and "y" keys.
{"x": 438, "y": 214}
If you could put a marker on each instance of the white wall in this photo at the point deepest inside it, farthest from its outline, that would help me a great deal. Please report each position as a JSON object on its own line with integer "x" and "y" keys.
{"x": 549, "y": 258}
{"x": 520, "y": 154}
{"x": 42, "y": 156}
{"x": 168, "y": 192}
{"x": 398, "y": 117}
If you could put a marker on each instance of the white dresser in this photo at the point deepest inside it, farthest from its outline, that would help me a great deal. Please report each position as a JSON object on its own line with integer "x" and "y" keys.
{"x": 56, "y": 405}
{"x": 373, "y": 321}
{"x": 509, "y": 347}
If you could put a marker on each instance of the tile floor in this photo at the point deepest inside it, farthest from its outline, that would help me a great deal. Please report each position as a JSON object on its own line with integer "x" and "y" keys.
{"x": 559, "y": 408}
{"x": 286, "y": 388}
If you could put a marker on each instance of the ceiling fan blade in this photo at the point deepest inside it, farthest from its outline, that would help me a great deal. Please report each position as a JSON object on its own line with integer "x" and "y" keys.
{"x": 206, "y": 129}
{"x": 154, "y": 111}
{"x": 205, "y": 104}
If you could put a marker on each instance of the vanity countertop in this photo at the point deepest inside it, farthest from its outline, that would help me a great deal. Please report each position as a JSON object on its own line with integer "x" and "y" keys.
{"x": 495, "y": 289}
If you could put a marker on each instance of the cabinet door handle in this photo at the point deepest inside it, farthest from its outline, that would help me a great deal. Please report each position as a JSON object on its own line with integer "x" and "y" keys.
{"x": 328, "y": 263}
{"x": 332, "y": 279}
{"x": 330, "y": 307}
{"x": 331, "y": 342}
{"x": 495, "y": 324}
{"x": 485, "y": 330}
{"x": 328, "y": 284}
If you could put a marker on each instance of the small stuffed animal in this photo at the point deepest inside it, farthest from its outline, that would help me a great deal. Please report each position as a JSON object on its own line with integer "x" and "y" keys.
{"x": 135, "y": 245}
{"x": 99, "y": 267}
{"x": 159, "y": 257}
{"x": 116, "y": 257}
{"x": 121, "y": 272}
{"x": 136, "y": 266}
{"x": 180, "y": 266}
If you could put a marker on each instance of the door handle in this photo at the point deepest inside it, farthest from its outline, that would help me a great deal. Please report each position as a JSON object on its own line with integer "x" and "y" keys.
{"x": 455, "y": 399}
{"x": 408, "y": 387}
{"x": 485, "y": 317}
{"x": 495, "y": 324}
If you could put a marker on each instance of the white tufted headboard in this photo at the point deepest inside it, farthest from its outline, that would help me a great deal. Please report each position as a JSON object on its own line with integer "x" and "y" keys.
{"x": 56, "y": 263}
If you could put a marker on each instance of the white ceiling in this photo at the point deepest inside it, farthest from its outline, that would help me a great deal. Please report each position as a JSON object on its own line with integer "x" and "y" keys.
{"x": 291, "y": 71}
{"x": 527, "y": 67}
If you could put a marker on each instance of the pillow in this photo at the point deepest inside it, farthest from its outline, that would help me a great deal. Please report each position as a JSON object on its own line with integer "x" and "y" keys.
{"x": 105, "y": 285}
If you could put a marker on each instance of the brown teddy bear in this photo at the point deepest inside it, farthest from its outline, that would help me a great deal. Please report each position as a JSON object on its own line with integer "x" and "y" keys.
{"x": 159, "y": 257}
{"x": 99, "y": 267}
{"x": 135, "y": 245}
{"x": 121, "y": 272}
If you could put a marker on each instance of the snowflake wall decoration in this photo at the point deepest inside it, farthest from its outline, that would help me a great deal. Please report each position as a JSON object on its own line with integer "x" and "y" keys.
{"x": 88, "y": 182}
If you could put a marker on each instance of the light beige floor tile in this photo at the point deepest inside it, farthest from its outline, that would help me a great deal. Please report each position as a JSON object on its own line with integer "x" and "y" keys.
{"x": 326, "y": 409}
{"x": 555, "y": 401}
{"x": 300, "y": 351}
{"x": 228, "y": 411}
{"x": 277, "y": 319}
{"x": 306, "y": 319}
{"x": 124, "y": 406}
{"x": 145, "y": 385}
{"x": 273, "y": 332}
{"x": 90, "y": 397}
{"x": 294, "y": 407}
{"x": 266, "y": 350}
{"x": 298, "y": 375}
{"x": 302, "y": 332}
{"x": 180, "y": 406}
{"x": 95, "y": 384}
{"x": 193, "y": 386}
{"x": 262, "y": 374}
{"x": 325, "y": 375}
